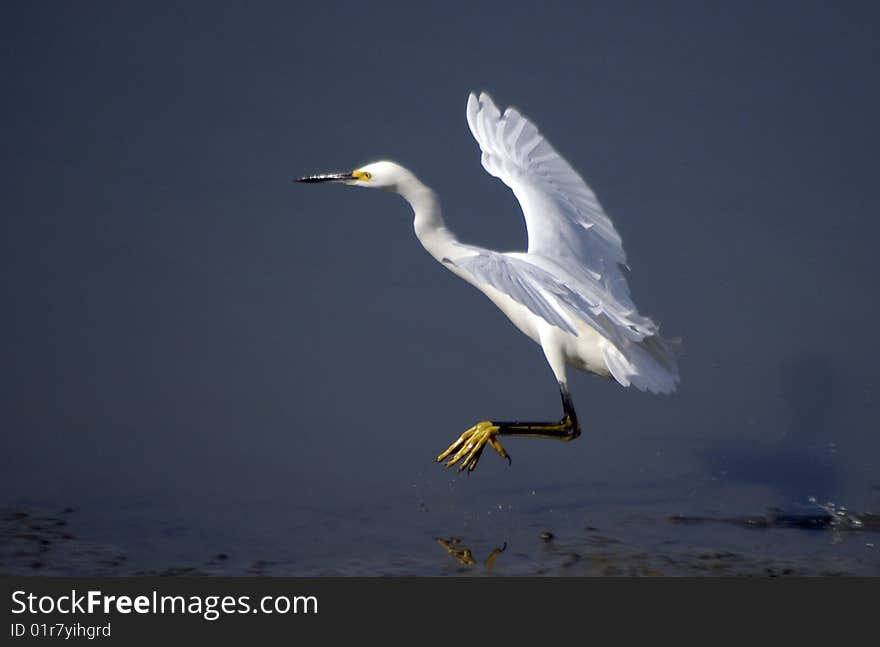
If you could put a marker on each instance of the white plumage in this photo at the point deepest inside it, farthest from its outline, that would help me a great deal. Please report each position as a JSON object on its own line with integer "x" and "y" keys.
{"x": 567, "y": 292}
{"x": 573, "y": 266}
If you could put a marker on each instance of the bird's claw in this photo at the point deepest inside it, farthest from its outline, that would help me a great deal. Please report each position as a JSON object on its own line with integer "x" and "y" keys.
{"x": 452, "y": 546}
{"x": 464, "y": 555}
{"x": 469, "y": 446}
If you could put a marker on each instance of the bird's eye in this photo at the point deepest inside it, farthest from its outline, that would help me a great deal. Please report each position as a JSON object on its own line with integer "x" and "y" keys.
{"x": 367, "y": 175}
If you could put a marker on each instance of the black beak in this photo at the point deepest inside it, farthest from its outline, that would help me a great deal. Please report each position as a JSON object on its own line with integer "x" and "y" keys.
{"x": 326, "y": 177}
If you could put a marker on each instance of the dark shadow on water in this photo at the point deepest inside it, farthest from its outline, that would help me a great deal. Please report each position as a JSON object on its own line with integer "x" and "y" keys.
{"x": 834, "y": 519}
{"x": 799, "y": 464}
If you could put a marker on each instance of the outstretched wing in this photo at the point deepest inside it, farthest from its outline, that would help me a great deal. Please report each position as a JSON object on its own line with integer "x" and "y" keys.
{"x": 575, "y": 256}
{"x": 565, "y": 222}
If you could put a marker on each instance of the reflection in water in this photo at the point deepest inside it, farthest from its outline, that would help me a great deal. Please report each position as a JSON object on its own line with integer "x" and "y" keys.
{"x": 464, "y": 555}
{"x": 34, "y": 542}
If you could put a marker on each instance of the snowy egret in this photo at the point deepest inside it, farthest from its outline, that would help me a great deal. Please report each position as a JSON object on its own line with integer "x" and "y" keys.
{"x": 567, "y": 292}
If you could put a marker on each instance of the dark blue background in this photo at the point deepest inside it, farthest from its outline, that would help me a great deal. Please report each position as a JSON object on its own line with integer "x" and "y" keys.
{"x": 195, "y": 349}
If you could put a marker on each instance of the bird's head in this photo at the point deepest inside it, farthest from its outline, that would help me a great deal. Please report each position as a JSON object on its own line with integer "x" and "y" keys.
{"x": 378, "y": 175}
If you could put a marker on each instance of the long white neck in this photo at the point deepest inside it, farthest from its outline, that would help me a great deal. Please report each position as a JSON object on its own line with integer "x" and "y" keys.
{"x": 428, "y": 221}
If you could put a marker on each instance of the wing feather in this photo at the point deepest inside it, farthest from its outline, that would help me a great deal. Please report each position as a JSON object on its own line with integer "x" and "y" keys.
{"x": 575, "y": 255}
{"x": 564, "y": 219}
{"x": 517, "y": 154}
{"x": 536, "y": 288}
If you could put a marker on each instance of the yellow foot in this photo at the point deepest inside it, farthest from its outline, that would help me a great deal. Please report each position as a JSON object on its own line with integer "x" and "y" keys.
{"x": 490, "y": 560}
{"x": 464, "y": 555}
{"x": 470, "y": 444}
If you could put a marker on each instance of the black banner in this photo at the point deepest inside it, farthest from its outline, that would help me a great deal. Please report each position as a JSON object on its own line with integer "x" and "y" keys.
{"x": 233, "y": 610}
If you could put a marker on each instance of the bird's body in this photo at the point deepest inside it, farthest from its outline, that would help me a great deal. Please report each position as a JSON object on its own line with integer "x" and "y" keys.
{"x": 582, "y": 350}
{"x": 566, "y": 292}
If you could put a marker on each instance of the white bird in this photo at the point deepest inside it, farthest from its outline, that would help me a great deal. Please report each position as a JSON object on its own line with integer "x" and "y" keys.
{"x": 567, "y": 292}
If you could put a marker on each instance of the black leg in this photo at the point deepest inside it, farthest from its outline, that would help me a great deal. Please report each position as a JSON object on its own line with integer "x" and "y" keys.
{"x": 566, "y": 429}
{"x": 470, "y": 444}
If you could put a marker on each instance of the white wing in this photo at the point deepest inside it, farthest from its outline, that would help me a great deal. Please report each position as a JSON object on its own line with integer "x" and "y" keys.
{"x": 563, "y": 217}
{"x": 565, "y": 222}
{"x": 527, "y": 284}
{"x": 568, "y": 232}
